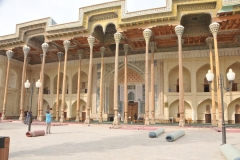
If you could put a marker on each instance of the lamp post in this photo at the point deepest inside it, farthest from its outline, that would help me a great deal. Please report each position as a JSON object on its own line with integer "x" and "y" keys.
{"x": 27, "y": 86}
{"x": 230, "y": 77}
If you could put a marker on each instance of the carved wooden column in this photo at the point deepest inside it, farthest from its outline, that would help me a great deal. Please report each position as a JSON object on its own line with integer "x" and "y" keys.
{"x": 80, "y": 53}
{"x": 26, "y": 50}
{"x": 91, "y": 41}
{"x": 45, "y": 47}
{"x": 214, "y": 27}
{"x": 60, "y": 56}
{"x": 9, "y": 54}
{"x": 161, "y": 91}
{"x": 28, "y": 61}
{"x": 147, "y": 34}
{"x": 102, "y": 50}
{"x": 209, "y": 42}
{"x": 117, "y": 37}
{"x": 179, "y": 31}
{"x": 152, "y": 47}
{"x": 66, "y": 45}
{"x": 39, "y": 97}
{"x": 126, "y": 47}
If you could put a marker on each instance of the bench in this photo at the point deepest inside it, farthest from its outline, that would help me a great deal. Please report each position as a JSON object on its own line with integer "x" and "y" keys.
{"x": 140, "y": 119}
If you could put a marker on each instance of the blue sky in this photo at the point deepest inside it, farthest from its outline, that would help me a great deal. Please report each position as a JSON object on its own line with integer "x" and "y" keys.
{"x": 13, "y": 12}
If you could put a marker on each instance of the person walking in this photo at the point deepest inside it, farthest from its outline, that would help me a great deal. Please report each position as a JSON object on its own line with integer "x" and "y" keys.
{"x": 48, "y": 122}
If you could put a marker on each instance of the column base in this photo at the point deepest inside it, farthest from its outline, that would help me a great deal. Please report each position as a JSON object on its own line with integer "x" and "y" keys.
{"x": 100, "y": 120}
{"x": 61, "y": 119}
{"x": 87, "y": 121}
{"x": 77, "y": 119}
{"x": 3, "y": 117}
{"x": 214, "y": 123}
{"x": 146, "y": 123}
{"x": 21, "y": 118}
{"x": 153, "y": 121}
{"x": 57, "y": 118}
{"x": 115, "y": 121}
{"x": 125, "y": 120}
{"x": 181, "y": 123}
{"x": 219, "y": 123}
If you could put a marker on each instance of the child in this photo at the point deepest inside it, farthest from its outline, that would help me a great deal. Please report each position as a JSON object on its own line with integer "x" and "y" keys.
{"x": 48, "y": 122}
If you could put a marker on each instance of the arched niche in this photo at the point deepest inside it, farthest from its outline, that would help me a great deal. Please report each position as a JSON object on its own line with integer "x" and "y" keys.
{"x": 46, "y": 107}
{"x": 174, "y": 109}
{"x": 236, "y": 68}
{"x": 59, "y": 108}
{"x": 204, "y": 110}
{"x": 173, "y": 78}
{"x": 12, "y": 81}
{"x": 82, "y": 108}
{"x": 46, "y": 87}
{"x": 233, "y": 114}
{"x": 83, "y": 82}
{"x": 10, "y": 105}
{"x": 60, "y": 84}
{"x": 202, "y": 84}
{"x": 133, "y": 77}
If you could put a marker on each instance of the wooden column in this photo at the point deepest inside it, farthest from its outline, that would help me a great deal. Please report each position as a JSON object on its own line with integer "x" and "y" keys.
{"x": 66, "y": 45}
{"x": 161, "y": 91}
{"x": 39, "y": 97}
{"x": 26, "y": 50}
{"x": 60, "y": 56}
{"x": 102, "y": 50}
{"x": 91, "y": 41}
{"x": 80, "y": 53}
{"x": 214, "y": 27}
{"x": 147, "y": 35}
{"x": 45, "y": 47}
{"x": 126, "y": 47}
{"x": 179, "y": 31}
{"x": 9, "y": 54}
{"x": 117, "y": 37}
{"x": 152, "y": 47}
{"x": 209, "y": 42}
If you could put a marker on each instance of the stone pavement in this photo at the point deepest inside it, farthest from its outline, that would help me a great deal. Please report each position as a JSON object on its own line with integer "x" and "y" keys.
{"x": 99, "y": 142}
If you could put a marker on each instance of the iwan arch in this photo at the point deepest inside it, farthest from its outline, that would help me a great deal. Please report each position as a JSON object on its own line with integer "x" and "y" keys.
{"x": 82, "y": 81}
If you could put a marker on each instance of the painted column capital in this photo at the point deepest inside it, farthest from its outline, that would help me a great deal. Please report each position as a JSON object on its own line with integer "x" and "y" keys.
{"x": 152, "y": 46}
{"x": 28, "y": 60}
{"x": 45, "y": 47}
{"x": 117, "y": 37}
{"x": 91, "y": 41}
{"x": 179, "y": 31}
{"x": 66, "y": 44}
{"x": 102, "y": 50}
{"x": 126, "y": 47}
{"x": 26, "y": 50}
{"x": 9, "y": 54}
{"x": 80, "y": 53}
{"x": 60, "y": 55}
{"x": 209, "y": 41}
{"x": 147, "y": 33}
{"x": 214, "y": 27}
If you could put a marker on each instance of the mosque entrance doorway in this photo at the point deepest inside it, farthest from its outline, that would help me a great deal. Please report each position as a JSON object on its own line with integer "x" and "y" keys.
{"x": 132, "y": 111}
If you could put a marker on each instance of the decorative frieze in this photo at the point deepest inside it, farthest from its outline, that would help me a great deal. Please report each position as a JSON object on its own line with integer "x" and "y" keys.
{"x": 103, "y": 16}
{"x": 194, "y": 7}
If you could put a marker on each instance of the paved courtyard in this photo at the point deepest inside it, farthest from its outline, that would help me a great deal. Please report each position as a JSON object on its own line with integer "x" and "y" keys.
{"x": 99, "y": 142}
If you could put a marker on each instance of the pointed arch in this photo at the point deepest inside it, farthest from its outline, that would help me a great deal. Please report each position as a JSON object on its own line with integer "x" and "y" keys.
{"x": 83, "y": 82}
{"x": 174, "y": 109}
{"x": 60, "y": 83}
{"x": 235, "y": 67}
{"x": 173, "y": 75}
